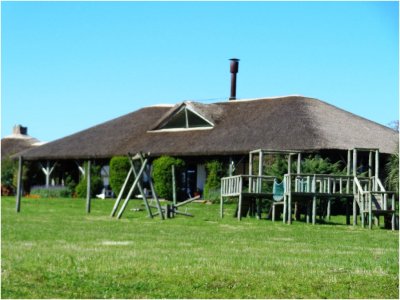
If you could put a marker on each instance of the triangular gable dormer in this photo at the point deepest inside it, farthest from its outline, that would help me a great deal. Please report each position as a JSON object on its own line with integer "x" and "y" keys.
{"x": 184, "y": 117}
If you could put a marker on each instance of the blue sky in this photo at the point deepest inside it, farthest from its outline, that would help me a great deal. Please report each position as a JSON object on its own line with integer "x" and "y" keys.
{"x": 67, "y": 66}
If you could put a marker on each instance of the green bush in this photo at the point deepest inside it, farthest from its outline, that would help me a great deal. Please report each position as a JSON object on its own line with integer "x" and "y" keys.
{"x": 96, "y": 182}
{"x": 51, "y": 192}
{"x": 119, "y": 168}
{"x": 278, "y": 167}
{"x": 212, "y": 187}
{"x": 162, "y": 175}
{"x": 319, "y": 165}
{"x": 392, "y": 169}
{"x": 8, "y": 168}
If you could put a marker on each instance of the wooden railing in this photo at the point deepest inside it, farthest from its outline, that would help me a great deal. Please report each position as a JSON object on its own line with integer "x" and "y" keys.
{"x": 235, "y": 185}
{"x": 369, "y": 189}
{"x": 319, "y": 183}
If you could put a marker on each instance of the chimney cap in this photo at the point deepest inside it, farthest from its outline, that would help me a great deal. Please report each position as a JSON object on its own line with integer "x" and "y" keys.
{"x": 234, "y": 59}
{"x": 19, "y": 129}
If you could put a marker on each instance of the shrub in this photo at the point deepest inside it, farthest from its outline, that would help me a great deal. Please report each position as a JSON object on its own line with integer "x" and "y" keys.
{"x": 278, "y": 167}
{"x": 392, "y": 169}
{"x": 8, "y": 168}
{"x": 51, "y": 191}
{"x": 96, "y": 182}
{"x": 319, "y": 165}
{"x": 162, "y": 175}
{"x": 119, "y": 168}
{"x": 213, "y": 182}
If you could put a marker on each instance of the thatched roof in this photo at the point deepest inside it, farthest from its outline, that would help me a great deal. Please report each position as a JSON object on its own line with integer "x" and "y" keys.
{"x": 285, "y": 123}
{"x": 18, "y": 141}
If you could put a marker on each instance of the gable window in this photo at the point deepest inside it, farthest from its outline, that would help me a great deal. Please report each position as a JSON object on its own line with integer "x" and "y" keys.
{"x": 185, "y": 118}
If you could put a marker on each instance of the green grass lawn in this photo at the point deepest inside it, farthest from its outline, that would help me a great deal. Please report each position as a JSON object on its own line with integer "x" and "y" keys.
{"x": 53, "y": 249}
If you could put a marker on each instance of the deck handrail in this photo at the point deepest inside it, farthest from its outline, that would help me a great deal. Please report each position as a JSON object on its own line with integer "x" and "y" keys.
{"x": 233, "y": 185}
{"x": 321, "y": 175}
{"x": 359, "y": 187}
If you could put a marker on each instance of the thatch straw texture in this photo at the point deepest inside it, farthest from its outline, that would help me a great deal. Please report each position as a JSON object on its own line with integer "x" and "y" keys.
{"x": 286, "y": 123}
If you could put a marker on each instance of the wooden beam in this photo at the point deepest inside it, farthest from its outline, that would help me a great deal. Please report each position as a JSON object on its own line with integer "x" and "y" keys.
{"x": 370, "y": 164}
{"x": 260, "y": 164}
{"x": 354, "y": 211}
{"x": 173, "y": 185}
{"x": 88, "y": 187}
{"x": 47, "y": 171}
{"x": 187, "y": 201}
{"x": 19, "y": 184}
{"x": 369, "y": 211}
{"x": 289, "y": 205}
{"x": 250, "y": 171}
{"x": 328, "y": 210}
{"x": 376, "y": 169}
{"x": 146, "y": 203}
{"x": 240, "y": 200}
{"x": 314, "y": 210}
{"x": 144, "y": 164}
{"x": 299, "y": 163}
{"x": 221, "y": 212}
{"x": 121, "y": 192}
{"x": 153, "y": 191}
{"x": 348, "y": 170}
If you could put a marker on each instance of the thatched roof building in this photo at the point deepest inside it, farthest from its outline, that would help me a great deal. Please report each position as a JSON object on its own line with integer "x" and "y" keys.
{"x": 225, "y": 128}
{"x": 17, "y": 142}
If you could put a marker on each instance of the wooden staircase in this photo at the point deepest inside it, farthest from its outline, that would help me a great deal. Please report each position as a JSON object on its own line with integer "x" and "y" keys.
{"x": 373, "y": 201}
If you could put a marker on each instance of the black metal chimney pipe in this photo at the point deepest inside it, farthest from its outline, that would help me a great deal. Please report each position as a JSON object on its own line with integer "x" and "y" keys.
{"x": 234, "y": 71}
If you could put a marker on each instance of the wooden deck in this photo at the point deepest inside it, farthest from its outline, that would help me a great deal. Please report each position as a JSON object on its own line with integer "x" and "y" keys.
{"x": 367, "y": 193}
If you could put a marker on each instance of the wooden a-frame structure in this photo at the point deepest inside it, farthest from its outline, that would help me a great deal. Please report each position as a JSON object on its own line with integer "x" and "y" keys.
{"x": 137, "y": 172}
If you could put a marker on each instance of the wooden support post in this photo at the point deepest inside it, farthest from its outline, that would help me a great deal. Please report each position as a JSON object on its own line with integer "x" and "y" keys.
{"x": 354, "y": 211}
{"x": 308, "y": 211}
{"x": 260, "y": 163}
{"x": 348, "y": 171}
{"x": 80, "y": 168}
{"x": 19, "y": 184}
{"x": 376, "y": 169}
{"x": 362, "y": 211}
{"x": 88, "y": 188}
{"x": 314, "y": 209}
{"x": 121, "y": 192}
{"x": 289, "y": 206}
{"x": 144, "y": 164}
{"x": 146, "y": 203}
{"x": 370, "y": 164}
{"x": 284, "y": 215}
{"x": 240, "y": 200}
{"x": 47, "y": 171}
{"x": 173, "y": 185}
{"x": 370, "y": 211}
{"x": 273, "y": 212}
{"x": 354, "y": 169}
{"x": 376, "y": 221}
{"x": 250, "y": 172}
{"x": 298, "y": 163}
{"x": 239, "y": 216}
{"x": 328, "y": 210}
{"x": 222, "y": 206}
{"x": 153, "y": 191}
{"x": 347, "y": 211}
{"x": 393, "y": 213}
